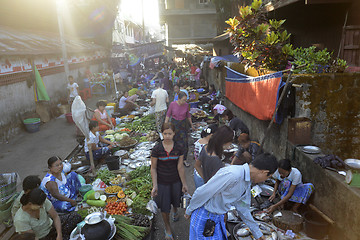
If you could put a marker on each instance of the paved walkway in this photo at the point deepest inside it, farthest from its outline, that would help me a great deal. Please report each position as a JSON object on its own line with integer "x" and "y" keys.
{"x": 27, "y": 154}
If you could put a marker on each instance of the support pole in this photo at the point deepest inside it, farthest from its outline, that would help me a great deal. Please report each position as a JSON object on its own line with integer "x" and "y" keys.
{"x": 59, "y": 11}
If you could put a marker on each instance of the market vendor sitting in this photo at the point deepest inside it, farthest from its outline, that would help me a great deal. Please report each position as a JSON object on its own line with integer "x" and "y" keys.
{"x": 60, "y": 189}
{"x": 290, "y": 186}
{"x": 102, "y": 117}
{"x": 95, "y": 139}
{"x": 217, "y": 109}
{"x": 246, "y": 148}
{"x": 36, "y": 215}
{"x": 30, "y": 182}
{"x": 134, "y": 90}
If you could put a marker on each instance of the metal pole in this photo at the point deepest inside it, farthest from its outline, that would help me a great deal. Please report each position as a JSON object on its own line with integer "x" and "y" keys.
{"x": 59, "y": 11}
{"x": 143, "y": 21}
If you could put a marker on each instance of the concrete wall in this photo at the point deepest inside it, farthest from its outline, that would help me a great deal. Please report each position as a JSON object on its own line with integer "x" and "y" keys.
{"x": 332, "y": 195}
{"x": 191, "y": 27}
{"x": 331, "y": 101}
{"x": 17, "y": 99}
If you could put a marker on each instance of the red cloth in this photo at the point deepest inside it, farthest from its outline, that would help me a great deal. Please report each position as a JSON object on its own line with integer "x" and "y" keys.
{"x": 192, "y": 70}
{"x": 103, "y": 127}
{"x": 257, "y": 96}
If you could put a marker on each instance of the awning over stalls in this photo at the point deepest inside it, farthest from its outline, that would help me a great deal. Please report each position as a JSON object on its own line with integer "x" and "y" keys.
{"x": 16, "y": 42}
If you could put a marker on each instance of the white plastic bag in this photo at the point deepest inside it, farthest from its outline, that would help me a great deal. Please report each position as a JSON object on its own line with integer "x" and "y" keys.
{"x": 98, "y": 185}
{"x": 78, "y": 111}
{"x": 151, "y": 206}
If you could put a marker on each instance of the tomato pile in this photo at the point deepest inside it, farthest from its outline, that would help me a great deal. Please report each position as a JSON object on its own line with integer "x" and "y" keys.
{"x": 116, "y": 208}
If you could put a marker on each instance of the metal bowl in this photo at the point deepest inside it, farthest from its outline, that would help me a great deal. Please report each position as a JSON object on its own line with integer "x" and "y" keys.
{"x": 94, "y": 218}
{"x": 83, "y": 169}
{"x": 311, "y": 149}
{"x": 263, "y": 226}
{"x": 132, "y": 165}
{"x": 126, "y": 161}
{"x": 121, "y": 153}
{"x": 353, "y": 163}
{"x": 75, "y": 234}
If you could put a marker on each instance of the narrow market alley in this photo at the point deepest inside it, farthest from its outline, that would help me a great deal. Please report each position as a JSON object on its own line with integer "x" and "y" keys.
{"x": 179, "y": 120}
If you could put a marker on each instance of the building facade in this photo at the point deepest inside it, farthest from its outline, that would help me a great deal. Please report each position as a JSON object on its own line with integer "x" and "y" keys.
{"x": 188, "y": 21}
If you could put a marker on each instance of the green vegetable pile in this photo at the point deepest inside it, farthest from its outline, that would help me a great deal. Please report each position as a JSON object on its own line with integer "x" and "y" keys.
{"x": 144, "y": 124}
{"x": 125, "y": 229}
{"x": 143, "y": 171}
{"x": 141, "y": 184}
{"x": 105, "y": 175}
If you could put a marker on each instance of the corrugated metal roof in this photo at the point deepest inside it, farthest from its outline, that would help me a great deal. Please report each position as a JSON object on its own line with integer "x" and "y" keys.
{"x": 17, "y": 42}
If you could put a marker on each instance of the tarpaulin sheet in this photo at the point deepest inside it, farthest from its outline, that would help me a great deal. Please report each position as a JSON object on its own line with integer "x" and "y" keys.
{"x": 255, "y": 95}
{"x": 215, "y": 61}
{"x": 40, "y": 93}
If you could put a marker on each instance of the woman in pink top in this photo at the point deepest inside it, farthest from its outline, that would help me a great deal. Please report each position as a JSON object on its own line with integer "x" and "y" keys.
{"x": 102, "y": 117}
{"x": 178, "y": 112}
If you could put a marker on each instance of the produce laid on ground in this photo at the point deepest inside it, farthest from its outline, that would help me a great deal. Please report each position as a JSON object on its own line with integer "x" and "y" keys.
{"x": 113, "y": 189}
{"x": 127, "y": 141}
{"x": 126, "y": 195}
{"x": 127, "y": 204}
{"x": 142, "y": 125}
{"x": 116, "y": 208}
{"x": 139, "y": 189}
{"x": 200, "y": 114}
{"x": 105, "y": 175}
{"x": 125, "y": 229}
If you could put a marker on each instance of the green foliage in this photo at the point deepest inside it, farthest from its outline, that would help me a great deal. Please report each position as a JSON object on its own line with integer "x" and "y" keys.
{"x": 256, "y": 4}
{"x": 276, "y": 24}
{"x": 261, "y": 42}
{"x": 317, "y": 61}
{"x": 313, "y": 59}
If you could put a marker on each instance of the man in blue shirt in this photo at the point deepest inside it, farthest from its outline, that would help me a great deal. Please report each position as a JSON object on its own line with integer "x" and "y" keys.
{"x": 230, "y": 186}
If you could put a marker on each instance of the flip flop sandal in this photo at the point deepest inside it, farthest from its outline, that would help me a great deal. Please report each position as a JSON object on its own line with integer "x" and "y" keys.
{"x": 186, "y": 164}
{"x": 168, "y": 236}
{"x": 175, "y": 217}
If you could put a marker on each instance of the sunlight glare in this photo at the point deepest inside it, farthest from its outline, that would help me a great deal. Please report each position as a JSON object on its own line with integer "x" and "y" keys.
{"x": 132, "y": 10}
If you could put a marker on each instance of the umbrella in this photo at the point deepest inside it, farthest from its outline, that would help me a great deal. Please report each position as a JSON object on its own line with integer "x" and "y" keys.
{"x": 78, "y": 111}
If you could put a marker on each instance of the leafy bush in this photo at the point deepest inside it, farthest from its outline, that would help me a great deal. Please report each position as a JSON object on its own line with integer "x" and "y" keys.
{"x": 317, "y": 61}
{"x": 263, "y": 43}
{"x": 259, "y": 41}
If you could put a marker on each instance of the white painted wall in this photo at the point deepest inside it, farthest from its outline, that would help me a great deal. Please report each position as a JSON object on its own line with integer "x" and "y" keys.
{"x": 18, "y": 98}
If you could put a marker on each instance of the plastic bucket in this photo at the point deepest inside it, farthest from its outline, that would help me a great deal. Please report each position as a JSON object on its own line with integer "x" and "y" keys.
{"x": 110, "y": 110}
{"x": 112, "y": 162}
{"x": 111, "y": 104}
{"x": 315, "y": 226}
{"x": 32, "y": 124}
{"x": 69, "y": 118}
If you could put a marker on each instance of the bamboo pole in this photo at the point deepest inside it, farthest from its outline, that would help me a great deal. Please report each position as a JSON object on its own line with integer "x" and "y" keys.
{"x": 278, "y": 105}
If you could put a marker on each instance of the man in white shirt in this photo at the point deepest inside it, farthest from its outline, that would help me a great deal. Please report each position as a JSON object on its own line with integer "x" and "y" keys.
{"x": 159, "y": 99}
{"x": 73, "y": 88}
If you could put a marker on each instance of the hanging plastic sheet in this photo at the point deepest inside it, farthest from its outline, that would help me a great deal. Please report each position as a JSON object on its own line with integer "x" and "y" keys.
{"x": 255, "y": 95}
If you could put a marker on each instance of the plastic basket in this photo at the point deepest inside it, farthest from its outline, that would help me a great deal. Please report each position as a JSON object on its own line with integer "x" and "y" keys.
{"x": 32, "y": 124}
{"x": 8, "y": 183}
{"x": 31, "y": 120}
